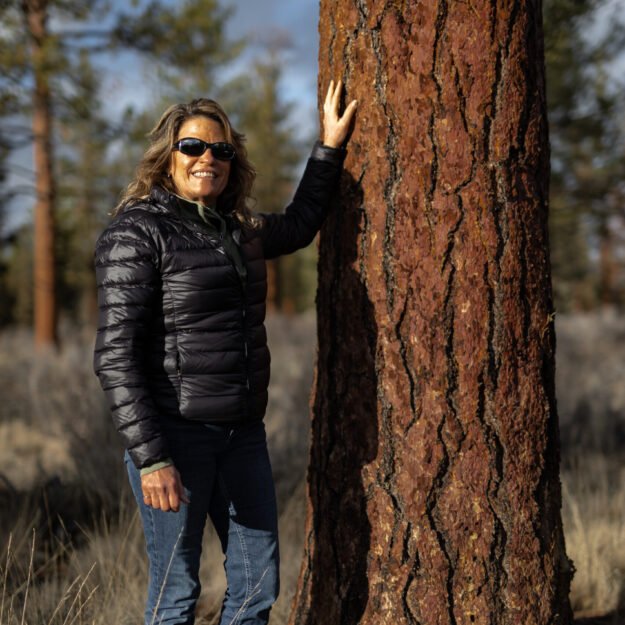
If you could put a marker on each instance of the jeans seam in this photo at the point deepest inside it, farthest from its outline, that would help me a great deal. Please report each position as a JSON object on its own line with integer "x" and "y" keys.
{"x": 157, "y": 562}
{"x": 248, "y": 577}
{"x": 246, "y": 562}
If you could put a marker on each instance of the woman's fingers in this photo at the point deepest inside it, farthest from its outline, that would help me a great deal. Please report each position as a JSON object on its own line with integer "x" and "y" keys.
{"x": 333, "y": 99}
{"x": 335, "y": 127}
{"x": 167, "y": 501}
{"x": 328, "y": 100}
{"x": 163, "y": 489}
{"x": 349, "y": 113}
{"x": 336, "y": 97}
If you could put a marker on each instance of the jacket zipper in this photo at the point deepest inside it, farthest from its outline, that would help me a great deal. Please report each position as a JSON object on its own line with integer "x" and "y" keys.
{"x": 245, "y": 346}
{"x": 247, "y": 367}
{"x": 243, "y": 293}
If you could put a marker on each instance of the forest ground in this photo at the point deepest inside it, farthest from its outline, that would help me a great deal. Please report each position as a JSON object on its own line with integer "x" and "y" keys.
{"x": 71, "y": 546}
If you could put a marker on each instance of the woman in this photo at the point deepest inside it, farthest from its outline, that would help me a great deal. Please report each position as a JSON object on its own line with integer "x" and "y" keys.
{"x": 181, "y": 349}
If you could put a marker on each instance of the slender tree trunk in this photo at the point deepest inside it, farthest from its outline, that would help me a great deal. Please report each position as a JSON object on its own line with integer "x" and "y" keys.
{"x": 35, "y": 12}
{"x": 607, "y": 266}
{"x": 273, "y": 286}
{"x": 433, "y": 486}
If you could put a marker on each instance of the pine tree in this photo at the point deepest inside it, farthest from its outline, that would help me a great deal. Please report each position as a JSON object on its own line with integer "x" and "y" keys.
{"x": 46, "y": 80}
{"x": 42, "y": 50}
{"x": 187, "y": 40}
{"x": 585, "y": 108}
{"x": 433, "y": 484}
{"x": 87, "y": 188}
{"x": 256, "y": 106}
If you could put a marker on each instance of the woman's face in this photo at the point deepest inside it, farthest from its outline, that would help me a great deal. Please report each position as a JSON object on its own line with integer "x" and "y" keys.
{"x": 200, "y": 178}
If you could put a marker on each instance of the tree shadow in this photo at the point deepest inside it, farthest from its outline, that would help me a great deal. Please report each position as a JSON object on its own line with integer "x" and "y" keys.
{"x": 612, "y": 618}
{"x": 345, "y": 423}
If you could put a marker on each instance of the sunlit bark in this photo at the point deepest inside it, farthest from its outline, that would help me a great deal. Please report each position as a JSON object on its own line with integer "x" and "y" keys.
{"x": 434, "y": 495}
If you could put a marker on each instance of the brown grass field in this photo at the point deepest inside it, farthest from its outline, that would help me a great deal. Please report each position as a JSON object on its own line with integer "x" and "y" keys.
{"x": 71, "y": 550}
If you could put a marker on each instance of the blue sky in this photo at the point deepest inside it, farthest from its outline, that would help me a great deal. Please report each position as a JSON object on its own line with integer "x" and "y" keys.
{"x": 254, "y": 22}
{"x": 297, "y": 18}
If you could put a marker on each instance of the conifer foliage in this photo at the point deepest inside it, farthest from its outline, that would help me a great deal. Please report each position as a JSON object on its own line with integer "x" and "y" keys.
{"x": 57, "y": 60}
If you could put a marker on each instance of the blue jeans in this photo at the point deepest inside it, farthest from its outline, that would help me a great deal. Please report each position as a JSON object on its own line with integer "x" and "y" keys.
{"x": 226, "y": 474}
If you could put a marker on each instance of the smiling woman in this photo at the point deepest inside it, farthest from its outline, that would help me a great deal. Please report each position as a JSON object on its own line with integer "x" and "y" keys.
{"x": 181, "y": 349}
{"x": 201, "y": 177}
{"x": 179, "y": 148}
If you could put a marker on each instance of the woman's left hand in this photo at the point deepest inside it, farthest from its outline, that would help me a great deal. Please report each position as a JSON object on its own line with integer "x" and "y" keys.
{"x": 335, "y": 128}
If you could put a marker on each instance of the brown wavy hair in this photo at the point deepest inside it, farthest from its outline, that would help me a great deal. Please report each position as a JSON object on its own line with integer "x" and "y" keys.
{"x": 154, "y": 165}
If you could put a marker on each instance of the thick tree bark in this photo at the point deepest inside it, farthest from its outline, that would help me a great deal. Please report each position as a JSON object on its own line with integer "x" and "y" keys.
{"x": 434, "y": 495}
{"x": 45, "y": 312}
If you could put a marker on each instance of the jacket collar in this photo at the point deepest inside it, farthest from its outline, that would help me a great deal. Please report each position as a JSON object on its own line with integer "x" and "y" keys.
{"x": 180, "y": 206}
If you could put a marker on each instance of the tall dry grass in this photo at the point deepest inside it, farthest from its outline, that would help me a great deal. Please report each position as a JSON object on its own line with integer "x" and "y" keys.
{"x": 591, "y": 403}
{"x": 71, "y": 546}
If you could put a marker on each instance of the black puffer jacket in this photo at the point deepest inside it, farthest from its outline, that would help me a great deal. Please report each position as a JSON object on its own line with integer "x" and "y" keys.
{"x": 180, "y": 333}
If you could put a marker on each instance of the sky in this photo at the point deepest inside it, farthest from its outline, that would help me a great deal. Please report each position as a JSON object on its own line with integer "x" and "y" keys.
{"x": 255, "y": 22}
{"x": 295, "y": 18}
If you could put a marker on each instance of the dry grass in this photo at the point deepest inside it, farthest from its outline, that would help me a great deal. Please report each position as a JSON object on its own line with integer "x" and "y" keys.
{"x": 72, "y": 547}
{"x": 62, "y": 482}
{"x": 591, "y": 403}
{"x": 593, "y": 505}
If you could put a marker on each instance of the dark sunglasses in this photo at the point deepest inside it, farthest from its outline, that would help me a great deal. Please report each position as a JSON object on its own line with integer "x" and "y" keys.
{"x": 196, "y": 147}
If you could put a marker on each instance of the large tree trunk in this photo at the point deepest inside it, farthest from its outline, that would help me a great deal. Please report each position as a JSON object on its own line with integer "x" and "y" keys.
{"x": 433, "y": 484}
{"x": 35, "y": 12}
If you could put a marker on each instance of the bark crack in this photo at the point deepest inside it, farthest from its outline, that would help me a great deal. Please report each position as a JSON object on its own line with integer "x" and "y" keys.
{"x": 431, "y": 503}
{"x": 395, "y": 177}
{"x": 498, "y": 544}
{"x": 403, "y": 352}
{"x": 439, "y": 480}
{"x": 333, "y": 32}
{"x": 387, "y": 463}
{"x": 462, "y": 100}
{"x": 412, "y": 573}
{"x": 439, "y": 27}
{"x": 462, "y": 107}
{"x": 523, "y": 294}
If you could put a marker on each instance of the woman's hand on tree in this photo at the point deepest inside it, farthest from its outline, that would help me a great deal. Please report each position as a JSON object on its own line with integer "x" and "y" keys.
{"x": 162, "y": 489}
{"x": 335, "y": 127}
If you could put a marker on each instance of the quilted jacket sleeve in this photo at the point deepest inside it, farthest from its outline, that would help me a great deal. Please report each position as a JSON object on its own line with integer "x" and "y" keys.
{"x": 128, "y": 282}
{"x": 297, "y": 227}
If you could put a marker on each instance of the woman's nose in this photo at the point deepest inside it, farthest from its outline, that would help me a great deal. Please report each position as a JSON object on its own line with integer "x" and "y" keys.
{"x": 207, "y": 156}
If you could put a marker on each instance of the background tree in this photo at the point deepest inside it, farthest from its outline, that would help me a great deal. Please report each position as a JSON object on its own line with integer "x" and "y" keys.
{"x": 35, "y": 77}
{"x": 42, "y": 56}
{"x": 433, "y": 482}
{"x": 88, "y": 187}
{"x": 54, "y": 82}
{"x": 586, "y": 107}
{"x": 187, "y": 40}
{"x": 273, "y": 147}
{"x": 5, "y": 294}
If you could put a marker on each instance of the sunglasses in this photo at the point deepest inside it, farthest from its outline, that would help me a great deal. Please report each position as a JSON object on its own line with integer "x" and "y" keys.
{"x": 196, "y": 147}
